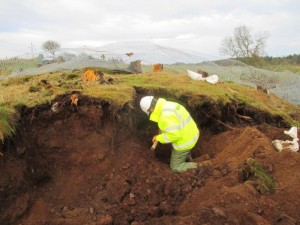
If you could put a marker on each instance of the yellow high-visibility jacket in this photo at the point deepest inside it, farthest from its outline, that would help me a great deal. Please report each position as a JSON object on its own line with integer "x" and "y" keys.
{"x": 176, "y": 125}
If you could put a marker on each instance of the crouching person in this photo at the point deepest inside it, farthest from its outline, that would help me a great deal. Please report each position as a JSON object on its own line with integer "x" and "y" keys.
{"x": 176, "y": 126}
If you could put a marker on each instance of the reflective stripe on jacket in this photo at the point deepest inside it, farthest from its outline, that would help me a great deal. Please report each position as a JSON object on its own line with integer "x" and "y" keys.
{"x": 176, "y": 124}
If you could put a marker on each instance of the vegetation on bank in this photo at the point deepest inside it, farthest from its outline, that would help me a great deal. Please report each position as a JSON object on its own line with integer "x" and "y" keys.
{"x": 6, "y": 122}
{"x": 7, "y": 66}
{"x": 31, "y": 91}
{"x": 290, "y": 63}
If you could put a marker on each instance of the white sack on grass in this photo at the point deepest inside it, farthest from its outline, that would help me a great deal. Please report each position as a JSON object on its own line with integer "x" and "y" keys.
{"x": 213, "y": 79}
{"x": 197, "y": 76}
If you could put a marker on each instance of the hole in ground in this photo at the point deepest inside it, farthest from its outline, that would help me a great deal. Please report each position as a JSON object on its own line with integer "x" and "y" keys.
{"x": 91, "y": 164}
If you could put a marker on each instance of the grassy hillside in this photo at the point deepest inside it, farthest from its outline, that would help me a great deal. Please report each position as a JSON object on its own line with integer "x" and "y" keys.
{"x": 290, "y": 63}
{"x": 7, "y": 66}
{"x": 31, "y": 91}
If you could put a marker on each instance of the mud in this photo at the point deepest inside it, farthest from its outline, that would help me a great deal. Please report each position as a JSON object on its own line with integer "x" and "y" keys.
{"x": 92, "y": 164}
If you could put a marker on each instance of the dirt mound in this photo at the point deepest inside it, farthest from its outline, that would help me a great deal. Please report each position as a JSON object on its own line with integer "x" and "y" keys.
{"x": 88, "y": 165}
{"x": 224, "y": 197}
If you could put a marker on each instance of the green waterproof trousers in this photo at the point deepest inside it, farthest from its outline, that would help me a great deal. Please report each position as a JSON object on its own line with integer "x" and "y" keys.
{"x": 178, "y": 162}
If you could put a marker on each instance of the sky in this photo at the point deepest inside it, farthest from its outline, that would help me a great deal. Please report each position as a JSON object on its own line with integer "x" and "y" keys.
{"x": 196, "y": 25}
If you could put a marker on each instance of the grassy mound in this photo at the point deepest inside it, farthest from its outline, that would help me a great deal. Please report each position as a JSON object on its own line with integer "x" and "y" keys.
{"x": 31, "y": 91}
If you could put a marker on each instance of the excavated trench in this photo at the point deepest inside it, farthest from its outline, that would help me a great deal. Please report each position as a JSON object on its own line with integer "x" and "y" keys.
{"x": 91, "y": 164}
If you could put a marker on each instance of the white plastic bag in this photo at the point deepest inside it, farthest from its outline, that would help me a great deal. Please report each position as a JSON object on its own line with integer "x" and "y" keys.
{"x": 195, "y": 76}
{"x": 293, "y": 132}
{"x": 288, "y": 145}
{"x": 213, "y": 79}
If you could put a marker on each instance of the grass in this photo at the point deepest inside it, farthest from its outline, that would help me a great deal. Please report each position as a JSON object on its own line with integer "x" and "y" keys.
{"x": 253, "y": 170}
{"x": 264, "y": 182}
{"x": 9, "y": 65}
{"x": 221, "y": 92}
{"x": 6, "y": 123}
{"x": 31, "y": 91}
{"x": 119, "y": 94}
{"x": 284, "y": 67}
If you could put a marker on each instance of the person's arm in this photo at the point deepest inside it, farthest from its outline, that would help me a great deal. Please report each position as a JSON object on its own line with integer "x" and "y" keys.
{"x": 168, "y": 137}
{"x": 170, "y": 129}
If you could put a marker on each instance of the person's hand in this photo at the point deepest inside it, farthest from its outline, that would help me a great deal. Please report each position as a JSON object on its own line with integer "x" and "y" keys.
{"x": 154, "y": 138}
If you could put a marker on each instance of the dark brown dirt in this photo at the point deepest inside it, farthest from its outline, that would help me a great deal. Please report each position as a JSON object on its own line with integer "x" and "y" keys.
{"x": 92, "y": 165}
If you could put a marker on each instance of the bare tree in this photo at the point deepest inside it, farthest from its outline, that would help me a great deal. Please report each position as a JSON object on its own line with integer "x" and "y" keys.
{"x": 243, "y": 43}
{"x": 51, "y": 46}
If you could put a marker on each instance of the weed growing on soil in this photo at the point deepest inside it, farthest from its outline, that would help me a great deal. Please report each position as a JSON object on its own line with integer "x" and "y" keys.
{"x": 252, "y": 169}
{"x": 6, "y": 128}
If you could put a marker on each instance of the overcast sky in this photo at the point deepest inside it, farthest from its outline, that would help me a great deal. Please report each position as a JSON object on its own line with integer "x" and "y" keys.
{"x": 197, "y": 25}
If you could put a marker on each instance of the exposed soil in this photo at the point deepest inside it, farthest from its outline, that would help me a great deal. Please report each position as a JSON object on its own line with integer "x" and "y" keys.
{"x": 91, "y": 164}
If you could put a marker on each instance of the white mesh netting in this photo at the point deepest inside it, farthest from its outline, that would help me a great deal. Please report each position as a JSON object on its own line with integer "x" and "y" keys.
{"x": 119, "y": 56}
